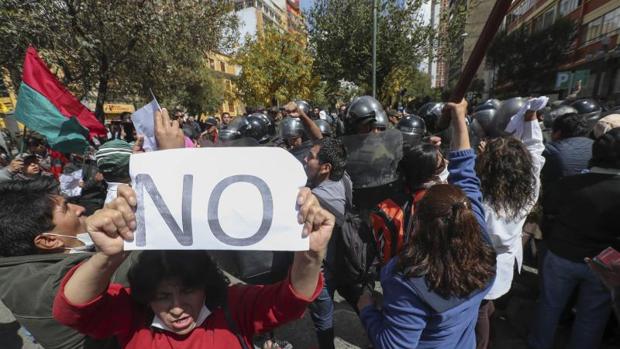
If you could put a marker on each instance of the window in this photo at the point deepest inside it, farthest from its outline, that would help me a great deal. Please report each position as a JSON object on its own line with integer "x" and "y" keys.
{"x": 568, "y": 6}
{"x": 594, "y": 29}
{"x": 211, "y": 63}
{"x": 611, "y": 21}
{"x": 223, "y": 66}
{"x": 231, "y": 107}
{"x": 548, "y": 18}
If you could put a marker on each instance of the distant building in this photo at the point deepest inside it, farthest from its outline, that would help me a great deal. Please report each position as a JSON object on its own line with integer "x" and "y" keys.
{"x": 256, "y": 15}
{"x": 477, "y": 14}
{"x": 594, "y": 57}
{"x": 225, "y": 71}
{"x": 434, "y": 64}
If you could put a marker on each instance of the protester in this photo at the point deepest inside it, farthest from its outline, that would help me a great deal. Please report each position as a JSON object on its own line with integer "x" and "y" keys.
{"x": 579, "y": 222}
{"x": 36, "y": 146}
{"x": 392, "y": 219}
{"x": 325, "y": 166}
{"x": 569, "y": 151}
{"x": 113, "y": 163}
{"x": 509, "y": 171}
{"x": 432, "y": 291}
{"x": 40, "y": 239}
{"x": 226, "y": 119}
{"x": 211, "y": 132}
{"x": 169, "y": 302}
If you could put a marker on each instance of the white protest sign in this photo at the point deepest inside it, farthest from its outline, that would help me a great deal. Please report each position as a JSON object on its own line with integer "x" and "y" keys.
{"x": 217, "y": 199}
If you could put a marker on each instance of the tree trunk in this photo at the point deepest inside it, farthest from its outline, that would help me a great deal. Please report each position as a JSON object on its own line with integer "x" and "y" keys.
{"x": 102, "y": 89}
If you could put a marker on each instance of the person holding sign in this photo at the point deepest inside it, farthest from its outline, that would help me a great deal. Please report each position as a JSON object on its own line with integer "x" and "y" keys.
{"x": 180, "y": 299}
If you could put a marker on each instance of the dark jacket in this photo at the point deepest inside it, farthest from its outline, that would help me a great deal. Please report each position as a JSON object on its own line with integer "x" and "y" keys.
{"x": 566, "y": 157}
{"x": 28, "y": 285}
{"x": 581, "y": 215}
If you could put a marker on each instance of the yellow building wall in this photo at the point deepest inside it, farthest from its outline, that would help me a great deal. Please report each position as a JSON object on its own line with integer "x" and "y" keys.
{"x": 225, "y": 71}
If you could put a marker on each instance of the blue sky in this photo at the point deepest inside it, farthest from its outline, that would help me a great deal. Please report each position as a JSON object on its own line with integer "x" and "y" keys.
{"x": 306, "y": 4}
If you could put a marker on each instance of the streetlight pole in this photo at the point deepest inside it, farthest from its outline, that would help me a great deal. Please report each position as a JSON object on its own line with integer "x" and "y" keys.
{"x": 374, "y": 48}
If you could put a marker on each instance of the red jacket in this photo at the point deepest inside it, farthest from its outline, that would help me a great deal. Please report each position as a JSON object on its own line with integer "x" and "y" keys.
{"x": 255, "y": 309}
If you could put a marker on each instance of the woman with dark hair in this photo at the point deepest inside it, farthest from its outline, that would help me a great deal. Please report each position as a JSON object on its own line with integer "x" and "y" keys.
{"x": 433, "y": 289}
{"x": 509, "y": 171}
{"x": 423, "y": 165}
{"x": 180, "y": 299}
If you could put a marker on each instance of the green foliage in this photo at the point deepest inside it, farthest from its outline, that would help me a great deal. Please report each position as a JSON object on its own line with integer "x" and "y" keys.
{"x": 416, "y": 84}
{"x": 277, "y": 68}
{"x": 340, "y": 33}
{"x": 528, "y": 60}
{"x": 121, "y": 48}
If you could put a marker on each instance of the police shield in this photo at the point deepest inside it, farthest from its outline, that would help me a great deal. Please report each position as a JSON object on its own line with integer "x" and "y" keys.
{"x": 373, "y": 157}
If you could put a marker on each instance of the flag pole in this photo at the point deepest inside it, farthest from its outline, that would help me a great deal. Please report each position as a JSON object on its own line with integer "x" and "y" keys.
{"x": 494, "y": 21}
{"x": 24, "y": 140}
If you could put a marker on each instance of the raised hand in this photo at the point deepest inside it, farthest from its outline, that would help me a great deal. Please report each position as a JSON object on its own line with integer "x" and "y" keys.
{"x": 168, "y": 134}
{"x": 115, "y": 223}
{"x": 318, "y": 222}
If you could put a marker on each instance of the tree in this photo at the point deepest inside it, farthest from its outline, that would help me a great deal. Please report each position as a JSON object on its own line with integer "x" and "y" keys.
{"x": 340, "y": 33}
{"x": 528, "y": 61}
{"x": 276, "y": 68}
{"x": 119, "y": 48}
{"x": 406, "y": 84}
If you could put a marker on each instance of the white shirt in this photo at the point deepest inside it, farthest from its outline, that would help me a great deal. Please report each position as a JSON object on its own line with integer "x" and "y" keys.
{"x": 506, "y": 235}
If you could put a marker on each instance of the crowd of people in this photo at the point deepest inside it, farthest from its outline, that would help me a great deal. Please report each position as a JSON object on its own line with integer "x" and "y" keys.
{"x": 440, "y": 216}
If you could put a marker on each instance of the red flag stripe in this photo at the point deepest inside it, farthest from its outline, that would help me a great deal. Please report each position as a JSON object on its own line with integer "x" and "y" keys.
{"x": 40, "y": 78}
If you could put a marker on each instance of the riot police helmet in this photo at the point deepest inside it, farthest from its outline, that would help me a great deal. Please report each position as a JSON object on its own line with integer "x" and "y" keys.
{"x": 324, "y": 126}
{"x": 258, "y": 127}
{"x": 430, "y": 112}
{"x": 413, "y": 129}
{"x": 365, "y": 111}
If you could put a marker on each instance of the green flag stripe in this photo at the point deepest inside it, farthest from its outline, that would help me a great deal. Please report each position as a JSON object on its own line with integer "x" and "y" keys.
{"x": 40, "y": 115}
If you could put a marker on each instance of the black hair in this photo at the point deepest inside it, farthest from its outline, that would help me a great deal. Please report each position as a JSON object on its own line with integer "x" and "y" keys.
{"x": 193, "y": 269}
{"x": 606, "y": 150}
{"x": 507, "y": 180}
{"x": 26, "y": 210}
{"x": 570, "y": 125}
{"x": 332, "y": 152}
{"x": 419, "y": 164}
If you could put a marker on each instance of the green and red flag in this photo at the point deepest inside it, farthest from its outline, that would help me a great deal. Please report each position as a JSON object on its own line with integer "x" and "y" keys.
{"x": 44, "y": 105}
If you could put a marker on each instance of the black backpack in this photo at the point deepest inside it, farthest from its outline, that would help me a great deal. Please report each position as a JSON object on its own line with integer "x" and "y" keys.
{"x": 355, "y": 253}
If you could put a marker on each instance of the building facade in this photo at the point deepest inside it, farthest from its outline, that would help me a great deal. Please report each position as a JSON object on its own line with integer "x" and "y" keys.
{"x": 256, "y": 15}
{"x": 225, "y": 71}
{"x": 477, "y": 14}
{"x": 594, "y": 57}
{"x": 434, "y": 64}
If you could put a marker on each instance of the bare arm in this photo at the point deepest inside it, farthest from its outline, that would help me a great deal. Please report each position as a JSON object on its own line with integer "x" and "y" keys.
{"x": 460, "y": 137}
{"x": 313, "y": 131}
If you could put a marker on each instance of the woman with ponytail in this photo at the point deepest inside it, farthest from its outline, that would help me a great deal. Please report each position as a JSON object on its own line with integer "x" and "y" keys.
{"x": 433, "y": 289}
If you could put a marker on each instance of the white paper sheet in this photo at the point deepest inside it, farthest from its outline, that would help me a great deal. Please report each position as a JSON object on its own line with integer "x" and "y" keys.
{"x": 143, "y": 121}
{"x": 243, "y": 212}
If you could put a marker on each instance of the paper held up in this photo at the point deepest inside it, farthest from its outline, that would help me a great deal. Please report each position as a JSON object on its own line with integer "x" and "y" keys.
{"x": 217, "y": 199}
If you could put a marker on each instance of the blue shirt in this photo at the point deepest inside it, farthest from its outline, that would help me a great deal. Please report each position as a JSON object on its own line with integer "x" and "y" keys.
{"x": 414, "y": 316}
